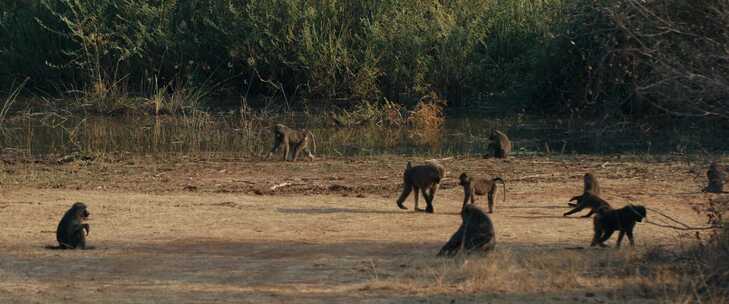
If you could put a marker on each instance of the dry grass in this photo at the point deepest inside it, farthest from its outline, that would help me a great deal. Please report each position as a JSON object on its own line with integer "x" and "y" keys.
{"x": 185, "y": 230}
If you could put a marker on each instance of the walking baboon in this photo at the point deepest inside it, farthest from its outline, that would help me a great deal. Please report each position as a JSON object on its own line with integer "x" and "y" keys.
{"x": 421, "y": 177}
{"x": 292, "y": 139}
{"x": 716, "y": 178}
{"x": 500, "y": 144}
{"x": 473, "y": 186}
{"x": 587, "y": 200}
{"x": 70, "y": 231}
{"x": 476, "y": 233}
{"x": 608, "y": 220}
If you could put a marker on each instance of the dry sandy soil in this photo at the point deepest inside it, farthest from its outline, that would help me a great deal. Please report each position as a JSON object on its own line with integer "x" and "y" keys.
{"x": 188, "y": 230}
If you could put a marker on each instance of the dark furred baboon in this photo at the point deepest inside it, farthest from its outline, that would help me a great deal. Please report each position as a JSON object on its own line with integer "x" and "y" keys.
{"x": 421, "y": 177}
{"x": 608, "y": 220}
{"x": 716, "y": 178}
{"x": 473, "y": 186}
{"x": 587, "y": 200}
{"x": 292, "y": 140}
{"x": 70, "y": 232}
{"x": 500, "y": 144}
{"x": 476, "y": 233}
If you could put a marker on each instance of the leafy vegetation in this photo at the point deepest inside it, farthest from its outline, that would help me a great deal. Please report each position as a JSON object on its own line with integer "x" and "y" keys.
{"x": 591, "y": 58}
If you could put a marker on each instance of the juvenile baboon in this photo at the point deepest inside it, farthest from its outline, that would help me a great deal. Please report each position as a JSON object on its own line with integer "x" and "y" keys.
{"x": 70, "y": 231}
{"x": 476, "y": 233}
{"x": 608, "y": 220}
{"x": 500, "y": 144}
{"x": 591, "y": 185}
{"x": 587, "y": 200}
{"x": 473, "y": 186}
{"x": 292, "y": 139}
{"x": 716, "y": 178}
{"x": 421, "y": 177}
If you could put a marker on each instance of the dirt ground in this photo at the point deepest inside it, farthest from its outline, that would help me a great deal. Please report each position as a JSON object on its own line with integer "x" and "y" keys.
{"x": 192, "y": 230}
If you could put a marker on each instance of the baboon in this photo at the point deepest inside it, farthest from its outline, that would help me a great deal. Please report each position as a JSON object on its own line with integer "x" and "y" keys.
{"x": 421, "y": 177}
{"x": 587, "y": 200}
{"x": 476, "y": 233}
{"x": 716, "y": 178}
{"x": 591, "y": 185}
{"x": 608, "y": 220}
{"x": 70, "y": 231}
{"x": 500, "y": 144}
{"x": 289, "y": 138}
{"x": 473, "y": 186}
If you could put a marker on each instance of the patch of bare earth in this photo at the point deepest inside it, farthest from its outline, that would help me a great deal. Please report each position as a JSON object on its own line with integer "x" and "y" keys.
{"x": 195, "y": 230}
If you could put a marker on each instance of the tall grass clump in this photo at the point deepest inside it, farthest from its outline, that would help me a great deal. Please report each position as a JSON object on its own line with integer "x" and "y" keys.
{"x": 348, "y": 52}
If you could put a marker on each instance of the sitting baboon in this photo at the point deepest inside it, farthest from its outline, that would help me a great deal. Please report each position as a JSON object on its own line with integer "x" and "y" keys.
{"x": 421, "y": 177}
{"x": 608, "y": 220}
{"x": 587, "y": 200}
{"x": 716, "y": 178}
{"x": 500, "y": 144}
{"x": 473, "y": 186}
{"x": 591, "y": 185}
{"x": 70, "y": 231}
{"x": 476, "y": 233}
{"x": 292, "y": 139}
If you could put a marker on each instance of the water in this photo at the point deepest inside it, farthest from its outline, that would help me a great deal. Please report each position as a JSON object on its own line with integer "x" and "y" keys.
{"x": 233, "y": 135}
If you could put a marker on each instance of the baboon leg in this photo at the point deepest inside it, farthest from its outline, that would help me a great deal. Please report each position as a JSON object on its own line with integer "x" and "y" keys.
{"x": 429, "y": 199}
{"x": 298, "y": 149}
{"x": 309, "y": 154}
{"x": 276, "y": 146}
{"x": 491, "y": 202}
{"x": 592, "y": 211}
{"x": 620, "y": 238}
{"x": 606, "y": 235}
{"x": 454, "y": 243}
{"x": 630, "y": 237}
{"x": 576, "y": 209}
{"x": 596, "y": 236}
{"x": 465, "y": 200}
{"x": 417, "y": 190}
{"x": 86, "y": 227}
{"x": 286, "y": 150}
{"x": 404, "y": 195}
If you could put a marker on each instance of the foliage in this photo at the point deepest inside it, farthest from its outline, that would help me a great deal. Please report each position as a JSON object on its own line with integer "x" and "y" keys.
{"x": 294, "y": 50}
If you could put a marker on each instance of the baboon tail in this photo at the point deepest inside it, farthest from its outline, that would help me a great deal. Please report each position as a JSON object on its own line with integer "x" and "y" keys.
{"x": 503, "y": 184}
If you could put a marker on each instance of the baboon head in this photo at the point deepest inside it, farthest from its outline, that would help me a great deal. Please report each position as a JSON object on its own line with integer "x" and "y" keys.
{"x": 79, "y": 210}
{"x": 464, "y": 179}
{"x": 638, "y": 212}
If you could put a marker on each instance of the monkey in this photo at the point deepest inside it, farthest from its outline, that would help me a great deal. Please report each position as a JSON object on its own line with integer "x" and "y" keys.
{"x": 70, "y": 231}
{"x": 421, "y": 177}
{"x": 289, "y": 138}
{"x": 500, "y": 144}
{"x": 716, "y": 177}
{"x": 473, "y": 186}
{"x": 591, "y": 185}
{"x": 587, "y": 200}
{"x": 608, "y": 220}
{"x": 476, "y": 233}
